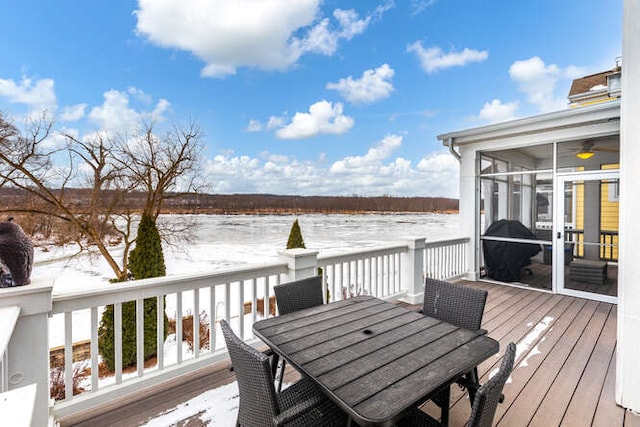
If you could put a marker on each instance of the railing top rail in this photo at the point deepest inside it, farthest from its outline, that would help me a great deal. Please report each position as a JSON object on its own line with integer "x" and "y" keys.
{"x": 8, "y": 318}
{"x": 445, "y": 242}
{"x": 110, "y": 293}
{"x": 353, "y": 255}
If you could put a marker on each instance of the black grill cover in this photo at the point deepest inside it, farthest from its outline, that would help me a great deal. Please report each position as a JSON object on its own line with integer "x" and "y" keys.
{"x": 505, "y": 260}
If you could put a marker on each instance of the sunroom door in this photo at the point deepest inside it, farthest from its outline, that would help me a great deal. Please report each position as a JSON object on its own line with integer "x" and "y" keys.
{"x": 585, "y": 247}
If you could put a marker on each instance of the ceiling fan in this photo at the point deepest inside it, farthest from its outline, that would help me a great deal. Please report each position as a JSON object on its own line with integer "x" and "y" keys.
{"x": 589, "y": 148}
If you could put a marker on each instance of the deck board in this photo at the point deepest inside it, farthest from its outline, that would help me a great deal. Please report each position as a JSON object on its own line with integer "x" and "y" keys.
{"x": 581, "y": 411}
{"x": 552, "y": 409}
{"x": 564, "y": 372}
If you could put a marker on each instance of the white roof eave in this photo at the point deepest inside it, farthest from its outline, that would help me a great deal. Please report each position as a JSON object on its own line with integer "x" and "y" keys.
{"x": 562, "y": 119}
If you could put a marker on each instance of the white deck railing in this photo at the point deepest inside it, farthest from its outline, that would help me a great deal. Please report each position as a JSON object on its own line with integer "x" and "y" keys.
{"x": 240, "y": 295}
{"x": 446, "y": 259}
{"x": 369, "y": 272}
{"x": 222, "y": 295}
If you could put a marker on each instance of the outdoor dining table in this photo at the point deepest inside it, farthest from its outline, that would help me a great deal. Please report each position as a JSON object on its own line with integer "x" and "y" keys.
{"x": 374, "y": 358}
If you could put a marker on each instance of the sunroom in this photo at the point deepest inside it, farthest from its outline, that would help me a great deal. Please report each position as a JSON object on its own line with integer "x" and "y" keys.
{"x": 539, "y": 199}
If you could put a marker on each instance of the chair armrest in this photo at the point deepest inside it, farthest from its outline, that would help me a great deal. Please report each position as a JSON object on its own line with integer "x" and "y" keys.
{"x": 295, "y": 411}
{"x": 268, "y": 352}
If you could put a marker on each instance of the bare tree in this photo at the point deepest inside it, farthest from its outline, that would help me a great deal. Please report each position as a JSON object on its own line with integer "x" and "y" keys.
{"x": 107, "y": 169}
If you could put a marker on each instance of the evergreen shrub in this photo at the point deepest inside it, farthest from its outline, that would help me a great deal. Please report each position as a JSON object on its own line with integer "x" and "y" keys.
{"x": 295, "y": 237}
{"x": 145, "y": 261}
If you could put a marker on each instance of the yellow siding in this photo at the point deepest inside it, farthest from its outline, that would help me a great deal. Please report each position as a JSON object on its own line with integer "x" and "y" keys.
{"x": 609, "y": 215}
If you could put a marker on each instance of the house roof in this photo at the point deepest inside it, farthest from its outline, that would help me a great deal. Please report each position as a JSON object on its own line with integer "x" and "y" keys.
{"x": 559, "y": 124}
{"x": 588, "y": 83}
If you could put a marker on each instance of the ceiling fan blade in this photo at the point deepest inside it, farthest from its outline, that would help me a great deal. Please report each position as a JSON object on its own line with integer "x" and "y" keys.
{"x": 607, "y": 149}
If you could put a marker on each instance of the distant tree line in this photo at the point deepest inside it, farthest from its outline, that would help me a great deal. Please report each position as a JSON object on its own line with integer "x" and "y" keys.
{"x": 250, "y": 203}
{"x": 268, "y": 203}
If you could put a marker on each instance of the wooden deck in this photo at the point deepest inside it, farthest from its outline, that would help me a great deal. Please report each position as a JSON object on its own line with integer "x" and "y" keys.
{"x": 564, "y": 372}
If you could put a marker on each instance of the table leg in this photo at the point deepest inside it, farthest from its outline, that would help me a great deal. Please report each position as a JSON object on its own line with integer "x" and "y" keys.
{"x": 474, "y": 385}
{"x": 445, "y": 395}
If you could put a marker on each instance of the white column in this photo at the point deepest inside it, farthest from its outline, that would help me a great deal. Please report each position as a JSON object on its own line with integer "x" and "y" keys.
{"x": 302, "y": 263}
{"x": 412, "y": 274}
{"x": 628, "y": 349}
{"x": 28, "y": 351}
{"x": 469, "y": 197}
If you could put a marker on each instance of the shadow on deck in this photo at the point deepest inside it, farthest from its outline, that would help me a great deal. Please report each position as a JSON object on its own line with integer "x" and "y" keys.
{"x": 564, "y": 372}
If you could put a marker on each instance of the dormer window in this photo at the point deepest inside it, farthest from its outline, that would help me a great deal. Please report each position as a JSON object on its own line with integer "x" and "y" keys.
{"x": 614, "y": 84}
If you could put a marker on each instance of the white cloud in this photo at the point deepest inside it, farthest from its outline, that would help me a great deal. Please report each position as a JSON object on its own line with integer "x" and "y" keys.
{"x": 373, "y": 159}
{"x": 374, "y": 173}
{"x": 114, "y": 114}
{"x": 372, "y": 86}
{"x": 275, "y": 122}
{"x": 73, "y": 113}
{"x": 227, "y": 34}
{"x": 38, "y": 96}
{"x": 442, "y": 171}
{"x": 157, "y": 115}
{"x": 433, "y": 59}
{"x": 539, "y": 81}
{"x": 140, "y": 95}
{"x": 496, "y": 111}
{"x": 117, "y": 115}
{"x": 323, "y": 118}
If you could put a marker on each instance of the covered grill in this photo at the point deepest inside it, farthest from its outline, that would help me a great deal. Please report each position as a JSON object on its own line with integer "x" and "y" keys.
{"x": 504, "y": 261}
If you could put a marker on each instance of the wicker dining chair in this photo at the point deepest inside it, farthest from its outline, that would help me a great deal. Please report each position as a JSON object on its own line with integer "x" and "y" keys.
{"x": 301, "y": 404}
{"x": 294, "y": 296}
{"x": 485, "y": 402}
{"x": 461, "y": 306}
{"x": 299, "y": 294}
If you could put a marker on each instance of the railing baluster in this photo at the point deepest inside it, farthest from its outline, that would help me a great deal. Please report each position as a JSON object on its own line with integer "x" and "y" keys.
{"x": 214, "y": 317}
{"x": 94, "y": 349}
{"x": 140, "y": 336}
{"x": 179, "y": 327}
{"x": 241, "y": 309}
{"x": 368, "y": 278}
{"x": 196, "y": 323}
{"x": 334, "y": 272}
{"x": 68, "y": 355}
{"x": 265, "y": 298}
{"x": 117, "y": 326}
{"x": 254, "y": 298}
{"x": 160, "y": 332}
{"x": 227, "y": 302}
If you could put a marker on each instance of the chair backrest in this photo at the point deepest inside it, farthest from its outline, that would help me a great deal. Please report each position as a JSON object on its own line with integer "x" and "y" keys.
{"x": 298, "y": 295}
{"x": 489, "y": 395}
{"x": 459, "y": 305}
{"x": 258, "y": 402}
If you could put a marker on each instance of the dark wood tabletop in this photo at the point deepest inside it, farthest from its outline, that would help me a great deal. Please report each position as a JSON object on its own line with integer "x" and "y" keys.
{"x": 372, "y": 357}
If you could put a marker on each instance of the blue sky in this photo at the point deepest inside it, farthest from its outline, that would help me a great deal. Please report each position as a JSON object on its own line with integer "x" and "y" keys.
{"x": 304, "y": 97}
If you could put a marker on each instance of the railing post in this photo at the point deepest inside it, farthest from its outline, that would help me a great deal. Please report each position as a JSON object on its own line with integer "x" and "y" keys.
{"x": 412, "y": 278}
{"x": 28, "y": 351}
{"x": 302, "y": 263}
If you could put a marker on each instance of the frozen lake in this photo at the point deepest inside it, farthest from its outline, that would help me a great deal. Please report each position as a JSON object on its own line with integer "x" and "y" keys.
{"x": 231, "y": 240}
